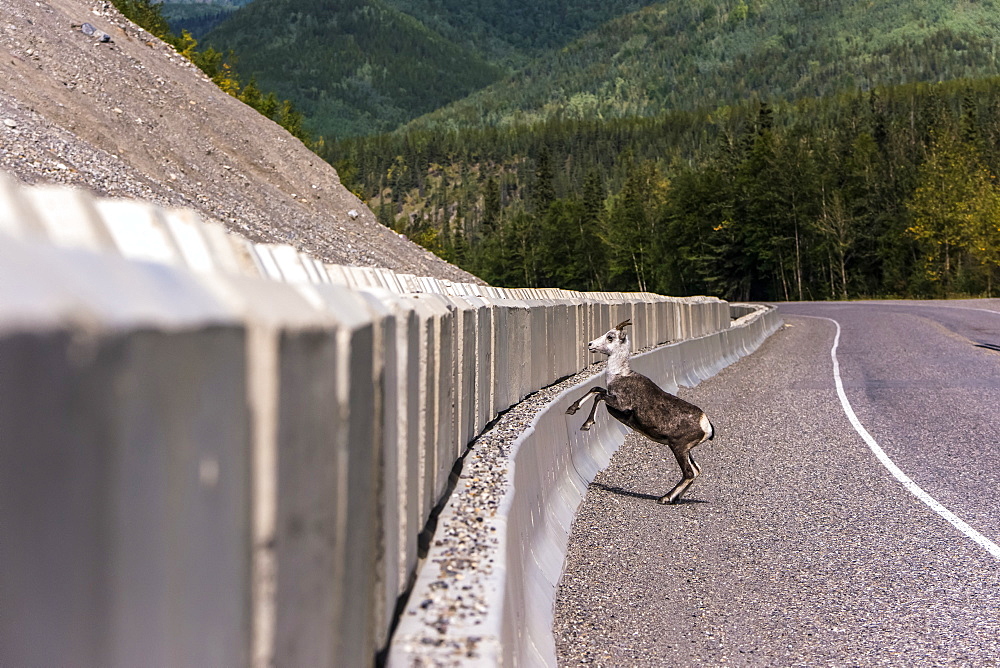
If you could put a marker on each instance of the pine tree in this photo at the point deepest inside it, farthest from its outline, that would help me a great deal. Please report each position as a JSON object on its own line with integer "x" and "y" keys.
{"x": 543, "y": 188}
{"x": 491, "y": 206}
{"x": 591, "y": 249}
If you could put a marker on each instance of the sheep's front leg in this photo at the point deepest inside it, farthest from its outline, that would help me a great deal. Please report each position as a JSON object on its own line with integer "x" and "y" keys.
{"x": 575, "y": 406}
{"x": 589, "y": 422}
{"x": 600, "y": 393}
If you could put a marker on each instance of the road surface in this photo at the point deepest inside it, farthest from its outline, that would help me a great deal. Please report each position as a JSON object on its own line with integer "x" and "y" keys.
{"x": 798, "y": 545}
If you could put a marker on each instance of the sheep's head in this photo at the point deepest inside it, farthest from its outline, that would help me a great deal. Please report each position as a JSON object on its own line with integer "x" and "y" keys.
{"x": 615, "y": 340}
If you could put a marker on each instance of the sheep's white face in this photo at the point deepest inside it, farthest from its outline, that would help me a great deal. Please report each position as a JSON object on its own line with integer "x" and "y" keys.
{"x": 614, "y": 340}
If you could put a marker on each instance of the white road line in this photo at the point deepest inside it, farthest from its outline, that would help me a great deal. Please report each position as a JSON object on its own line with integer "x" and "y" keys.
{"x": 914, "y": 489}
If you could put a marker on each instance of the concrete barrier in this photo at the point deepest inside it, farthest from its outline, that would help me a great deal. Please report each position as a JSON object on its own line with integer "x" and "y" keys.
{"x": 512, "y": 568}
{"x": 216, "y": 452}
{"x": 124, "y": 477}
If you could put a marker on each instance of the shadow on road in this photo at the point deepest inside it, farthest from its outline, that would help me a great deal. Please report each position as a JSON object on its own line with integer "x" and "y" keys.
{"x": 639, "y": 495}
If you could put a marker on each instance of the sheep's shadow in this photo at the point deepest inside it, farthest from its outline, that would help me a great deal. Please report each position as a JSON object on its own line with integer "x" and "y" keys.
{"x": 639, "y": 495}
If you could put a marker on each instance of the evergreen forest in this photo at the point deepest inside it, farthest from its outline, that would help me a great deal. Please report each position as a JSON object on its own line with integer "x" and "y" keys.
{"x": 706, "y": 53}
{"x": 884, "y": 193}
{"x": 195, "y": 18}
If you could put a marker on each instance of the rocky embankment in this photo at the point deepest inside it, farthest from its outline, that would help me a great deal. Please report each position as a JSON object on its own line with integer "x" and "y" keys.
{"x": 129, "y": 117}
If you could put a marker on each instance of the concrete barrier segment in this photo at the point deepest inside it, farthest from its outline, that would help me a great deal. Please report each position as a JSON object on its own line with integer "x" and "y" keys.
{"x": 315, "y": 270}
{"x": 355, "y": 466}
{"x": 288, "y": 262}
{"x": 18, "y": 218}
{"x": 139, "y": 231}
{"x": 123, "y": 404}
{"x": 391, "y": 281}
{"x": 390, "y": 504}
{"x": 264, "y": 255}
{"x": 243, "y": 252}
{"x": 465, "y": 335}
{"x": 486, "y": 595}
{"x": 191, "y": 235}
{"x": 540, "y": 354}
{"x": 337, "y": 274}
{"x": 400, "y": 471}
{"x": 258, "y": 261}
{"x": 70, "y": 217}
{"x": 429, "y": 315}
{"x": 500, "y": 378}
{"x": 287, "y": 332}
{"x": 485, "y": 366}
{"x": 409, "y": 283}
{"x": 316, "y": 371}
{"x": 445, "y": 390}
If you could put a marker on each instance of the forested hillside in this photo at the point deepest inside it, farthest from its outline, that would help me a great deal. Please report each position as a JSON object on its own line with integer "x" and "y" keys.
{"x": 198, "y": 17}
{"x": 888, "y": 192}
{"x": 352, "y": 66}
{"x": 706, "y": 53}
{"x": 358, "y": 67}
{"x": 513, "y": 32}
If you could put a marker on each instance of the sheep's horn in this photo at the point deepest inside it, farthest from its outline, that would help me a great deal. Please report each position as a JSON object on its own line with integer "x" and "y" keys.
{"x": 623, "y": 324}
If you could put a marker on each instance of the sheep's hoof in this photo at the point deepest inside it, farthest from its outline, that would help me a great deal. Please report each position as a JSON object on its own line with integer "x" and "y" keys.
{"x": 664, "y": 501}
{"x": 586, "y": 426}
{"x": 572, "y": 410}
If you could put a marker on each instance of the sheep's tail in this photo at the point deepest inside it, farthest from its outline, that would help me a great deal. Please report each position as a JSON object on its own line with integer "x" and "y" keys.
{"x": 706, "y": 426}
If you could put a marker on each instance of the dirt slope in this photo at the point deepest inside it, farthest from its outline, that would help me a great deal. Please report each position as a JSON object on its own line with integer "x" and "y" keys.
{"x": 131, "y": 118}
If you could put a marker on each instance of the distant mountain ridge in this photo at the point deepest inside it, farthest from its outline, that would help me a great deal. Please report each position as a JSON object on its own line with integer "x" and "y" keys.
{"x": 514, "y": 32}
{"x": 704, "y": 54}
{"x": 358, "y": 67}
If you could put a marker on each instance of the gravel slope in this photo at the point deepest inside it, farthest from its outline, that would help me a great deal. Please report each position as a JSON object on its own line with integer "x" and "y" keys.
{"x": 795, "y": 547}
{"x": 131, "y": 118}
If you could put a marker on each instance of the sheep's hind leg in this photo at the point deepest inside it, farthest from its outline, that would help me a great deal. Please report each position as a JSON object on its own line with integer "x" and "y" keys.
{"x": 697, "y": 467}
{"x": 690, "y": 470}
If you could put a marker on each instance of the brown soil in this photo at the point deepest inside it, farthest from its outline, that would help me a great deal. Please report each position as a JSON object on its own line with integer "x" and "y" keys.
{"x": 132, "y": 118}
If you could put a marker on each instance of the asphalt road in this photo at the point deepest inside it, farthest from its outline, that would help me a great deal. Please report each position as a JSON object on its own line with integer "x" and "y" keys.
{"x": 797, "y": 546}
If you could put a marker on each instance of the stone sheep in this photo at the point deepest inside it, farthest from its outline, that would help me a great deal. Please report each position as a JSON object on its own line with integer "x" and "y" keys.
{"x": 637, "y": 402}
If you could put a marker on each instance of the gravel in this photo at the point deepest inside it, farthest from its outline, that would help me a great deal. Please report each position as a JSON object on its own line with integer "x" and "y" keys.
{"x": 130, "y": 117}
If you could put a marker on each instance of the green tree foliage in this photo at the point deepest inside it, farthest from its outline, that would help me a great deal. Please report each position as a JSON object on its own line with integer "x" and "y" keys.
{"x": 818, "y": 199}
{"x": 955, "y": 210}
{"x": 514, "y": 31}
{"x": 358, "y": 67}
{"x": 196, "y": 17}
{"x": 630, "y": 230}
